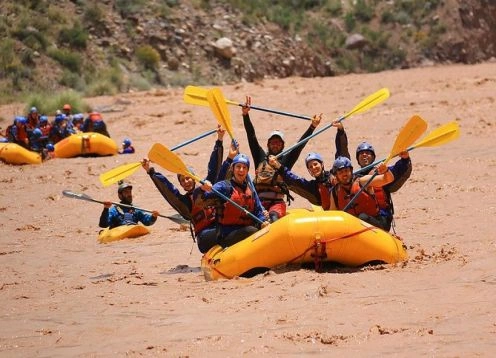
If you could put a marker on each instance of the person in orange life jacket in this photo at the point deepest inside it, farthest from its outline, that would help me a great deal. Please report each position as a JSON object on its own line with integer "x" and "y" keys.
{"x": 316, "y": 191}
{"x": 365, "y": 207}
{"x": 18, "y": 133}
{"x": 33, "y": 119}
{"x": 94, "y": 123}
{"x": 235, "y": 225}
{"x": 202, "y": 218}
{"x": 127, "y": 147}
{"x": 402, "y": 169}
{"x": 115, "y": 215}
{"x": 270, "y": 186}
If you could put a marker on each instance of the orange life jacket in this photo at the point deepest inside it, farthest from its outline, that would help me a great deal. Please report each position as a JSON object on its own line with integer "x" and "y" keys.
{"x": 325, "y": 196}
{"x": 365, "y": 203}
{"x": 382, "y": 198}
{"x": 232, "y": 215}
{"x": 202, "y": 217}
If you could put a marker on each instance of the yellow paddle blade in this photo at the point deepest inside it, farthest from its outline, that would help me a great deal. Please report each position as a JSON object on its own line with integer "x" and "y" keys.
{"x": 168, "y": 160}
{"x": 441, "y": 135}
{"x": 369, "y": 102}
{"x": 198, "y": 96}
{"x": 410, "y": 132}
{"x": 118, "y": 173}
{"x": 219, "y": 108}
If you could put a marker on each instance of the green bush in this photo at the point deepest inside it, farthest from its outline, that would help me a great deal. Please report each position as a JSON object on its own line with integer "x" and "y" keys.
{"x": 66, "y": 58}
{"x": 76, "y": 37}
{"x": 148, "y": 57}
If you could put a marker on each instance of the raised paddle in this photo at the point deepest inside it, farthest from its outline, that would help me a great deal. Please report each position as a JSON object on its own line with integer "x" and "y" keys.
{"x": 168, "y": 160}
{"x": 123, "y": 171}
{"x": 198, "y": 96}
{"x": 439, "y": 136}
{"x": 176, "y": 218}
{"x": 219, "y": 108}
{"x": 369, "y": 102}
{"x": 410, "y": 132}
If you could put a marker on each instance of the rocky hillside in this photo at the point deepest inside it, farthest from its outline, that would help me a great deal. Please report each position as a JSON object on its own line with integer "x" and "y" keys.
{"x": 109, "y": 46}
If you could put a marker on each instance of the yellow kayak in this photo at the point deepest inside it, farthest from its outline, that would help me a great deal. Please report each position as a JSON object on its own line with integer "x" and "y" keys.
{"x": 305, "y": 236}
{"x": 85, "y": 144}
{"x": 122, "y": 232}
{"x": 13, "y": 153}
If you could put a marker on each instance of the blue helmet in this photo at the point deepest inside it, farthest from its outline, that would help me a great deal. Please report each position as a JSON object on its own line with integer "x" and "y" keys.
{"x": 43, "y": 119}
{"x": 127, "y": 142}
{"x": 20, "y": 120}
{"x": 341, "y": 163}
{"x": 313, "y": 156}
{"x": 59, "y": 118}
{"x": 34, "y": 110}
{"x": 78, "y": 116}
{"x": 37, "y": 133}
{"x": 241, "y": 158}
{"x": 50, "y": 147}
{"x": 363, "y": 147}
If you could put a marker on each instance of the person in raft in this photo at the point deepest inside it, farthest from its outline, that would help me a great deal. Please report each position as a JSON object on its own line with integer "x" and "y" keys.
{"x": 402, "y": 169}
{"x": 234, "y": 225}
{"x": 201, "y": 218}
{"x": 270, "y": 186}
{"x": 317, "y": 190}
{"x": 114, "y": 215}
{"x": 365, "y": 206}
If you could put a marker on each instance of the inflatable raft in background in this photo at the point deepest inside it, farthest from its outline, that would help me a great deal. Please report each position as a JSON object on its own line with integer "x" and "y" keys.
{"x": 305, "y": 236}
{"x": 13, "y": 153}
{"x": 88, "y": 143}
{"x": 122, "y": 232}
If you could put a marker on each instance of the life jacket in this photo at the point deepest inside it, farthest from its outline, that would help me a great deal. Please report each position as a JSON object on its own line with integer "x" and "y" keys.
{"x": 325, "y": 195}
{"x": 365, "y": 203}
{"x": 33, "y": 120}
{"x": 231, "y": 215}
{"x": 382, "y": 198}
{"x": 22, "y": 133}
{"x": 202, "y": 217}
{"x": 10, "y": 133}
{"x": 45, "y": 130}
{"x": 267, "y": 179}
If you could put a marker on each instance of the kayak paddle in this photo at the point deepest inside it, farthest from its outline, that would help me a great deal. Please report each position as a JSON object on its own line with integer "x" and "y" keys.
{"x": 369, "y": 102}
{"x": 439, "y": 136}
{"x": 176, "y": 218}
{"x": 198, "y": 96}
{"x": 410, "y": 132}
{"x": 123, "y": 171}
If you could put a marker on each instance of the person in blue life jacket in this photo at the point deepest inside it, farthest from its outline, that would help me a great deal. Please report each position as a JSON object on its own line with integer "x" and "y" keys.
{"x": 188, "y": 205}
{"x": 127, "y": 147}
{"x": 235, "y": 225}
{"x": 115, "y": 215}
{"x": 347, "y": 186}
{"x": 401, "y": 169}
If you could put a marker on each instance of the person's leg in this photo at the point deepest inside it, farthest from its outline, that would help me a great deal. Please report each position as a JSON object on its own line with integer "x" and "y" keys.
{"x": 276, "y": 210}
{"x": 237, "y": 235}
{"x": 207, "y": 239}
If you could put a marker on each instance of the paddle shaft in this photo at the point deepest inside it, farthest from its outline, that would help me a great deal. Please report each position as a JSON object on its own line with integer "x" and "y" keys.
{"x": 300, "y": 116}
{"x": 203, "y": 135}
{"x": 355, "y": 197}
{"x": 88, "y": 198}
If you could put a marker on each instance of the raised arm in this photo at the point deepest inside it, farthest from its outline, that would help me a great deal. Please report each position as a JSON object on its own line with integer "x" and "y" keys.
{"x": 290, "y": 159}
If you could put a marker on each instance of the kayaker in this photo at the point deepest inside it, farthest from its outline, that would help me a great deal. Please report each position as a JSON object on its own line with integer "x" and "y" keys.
{"x": 402, "y": 169}
{"x": 270, "y": 186}
{"x": 201, "y": 218}
{"x": 235, "y": 225}
{"x": 127, "y": 147}
{"x": 114, "y": 215}
{"x": 365, "y": 206}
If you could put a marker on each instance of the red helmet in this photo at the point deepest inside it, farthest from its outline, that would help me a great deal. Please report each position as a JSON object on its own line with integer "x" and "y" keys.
{"x": 67, "y": 107}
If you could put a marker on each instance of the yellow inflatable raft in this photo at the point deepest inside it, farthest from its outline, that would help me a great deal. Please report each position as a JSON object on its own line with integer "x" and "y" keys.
{"x": 305, "y": 236}
{"x": 85, "y": 144}
{"x": 15, "y": 154}
{"x": 122, "y": 232}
